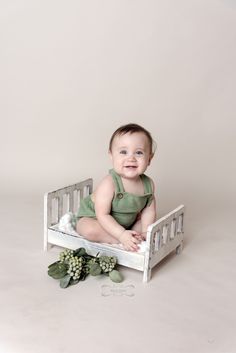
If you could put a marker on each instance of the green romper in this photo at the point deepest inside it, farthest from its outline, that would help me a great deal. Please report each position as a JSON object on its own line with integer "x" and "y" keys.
{"x": 125, "y": 206}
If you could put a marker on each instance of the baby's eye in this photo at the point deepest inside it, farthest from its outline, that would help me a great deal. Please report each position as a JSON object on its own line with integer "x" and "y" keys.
{"x": 123, "y": 152}
{"x": 139, "y": 153}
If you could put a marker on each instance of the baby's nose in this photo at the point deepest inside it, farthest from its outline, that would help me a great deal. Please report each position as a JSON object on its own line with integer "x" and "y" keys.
{"x": 131, "y": 156}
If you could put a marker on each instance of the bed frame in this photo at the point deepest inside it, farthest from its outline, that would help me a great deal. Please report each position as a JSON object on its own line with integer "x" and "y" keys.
{"x": 163, "y": 236}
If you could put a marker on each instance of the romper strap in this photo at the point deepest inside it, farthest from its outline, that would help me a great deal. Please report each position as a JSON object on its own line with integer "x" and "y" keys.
{"x": 117, "y": 181}
{"x": 147, "y": 188}
{"x": 147, "y": 184}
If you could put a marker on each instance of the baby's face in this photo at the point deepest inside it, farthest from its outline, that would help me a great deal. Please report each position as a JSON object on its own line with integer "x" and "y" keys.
{"x": 130, "y": 154}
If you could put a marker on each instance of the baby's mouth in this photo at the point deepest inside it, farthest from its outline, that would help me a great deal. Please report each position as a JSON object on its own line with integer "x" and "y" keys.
{"x": 130, "y": 166}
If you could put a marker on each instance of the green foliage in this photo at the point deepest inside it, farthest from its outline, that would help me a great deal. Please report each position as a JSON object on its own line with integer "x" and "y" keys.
{"x": 75, "y": 265}
{"x": 95, "y": 269}
{"x": 58, "y": 270}
{"x": 116, "y": 276}
{"x": 64, "y": 282}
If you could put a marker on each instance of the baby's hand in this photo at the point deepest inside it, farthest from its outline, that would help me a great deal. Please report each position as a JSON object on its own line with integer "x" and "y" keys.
{"x": 144, "y": 235}
{"x": 130, "y": 240}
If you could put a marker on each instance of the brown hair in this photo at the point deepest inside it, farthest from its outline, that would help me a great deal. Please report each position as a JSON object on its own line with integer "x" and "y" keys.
{"x": 131, "y": 128}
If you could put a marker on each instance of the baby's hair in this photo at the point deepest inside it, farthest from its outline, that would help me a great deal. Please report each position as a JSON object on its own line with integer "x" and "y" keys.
{"x": 131, "y": 128}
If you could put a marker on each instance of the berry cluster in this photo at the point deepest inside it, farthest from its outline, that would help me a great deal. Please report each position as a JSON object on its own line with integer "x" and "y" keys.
{"x": 66, "y": 255}
{"x": 107, "y": 263}
{"x": 75, "y": 267}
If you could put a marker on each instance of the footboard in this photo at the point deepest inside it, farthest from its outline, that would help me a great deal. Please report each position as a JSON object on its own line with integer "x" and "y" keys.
{"x": 58, "y": 202}
{"x": 163, "y": 236}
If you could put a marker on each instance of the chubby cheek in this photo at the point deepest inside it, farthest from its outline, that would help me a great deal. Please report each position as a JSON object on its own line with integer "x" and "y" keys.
{"x": 145, "y": 165}
{"x": 117, "y": 162}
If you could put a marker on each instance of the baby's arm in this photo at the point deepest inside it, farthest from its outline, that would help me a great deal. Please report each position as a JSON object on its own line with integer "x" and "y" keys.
{"x": 148, "y": 214}
{"x": 102, "y": 200}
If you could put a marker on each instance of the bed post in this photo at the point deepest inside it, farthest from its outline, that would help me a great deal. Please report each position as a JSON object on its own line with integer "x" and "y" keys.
{"x": 47, "y": 215}
{"x": 147, "y": 257}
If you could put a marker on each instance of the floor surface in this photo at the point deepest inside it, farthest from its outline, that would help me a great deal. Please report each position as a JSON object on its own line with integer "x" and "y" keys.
{"x": 188, "y": 306}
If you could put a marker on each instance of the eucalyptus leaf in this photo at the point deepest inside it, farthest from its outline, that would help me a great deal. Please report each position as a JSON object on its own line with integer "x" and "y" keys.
{"x": 80, "y": 252}
{"x": 74, "y": 281}
{"x": 53, "y": 270}
{"x": 58, "y": 271}
{"x": 58, "y": 274}
{"x": 95, "y": 269}
{"x": 64, "y": 282}
{"x": 116, "y": 276}
{"x": 57, "y": 266}
{"x": 54, "y": 264}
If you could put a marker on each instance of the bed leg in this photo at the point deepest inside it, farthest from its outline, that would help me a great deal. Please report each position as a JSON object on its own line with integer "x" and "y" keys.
{"x": 179, "y": 248}
{"x": 147, "y": 275}
{"x": 147, "y": 268}
{"x": 46, "y": 245}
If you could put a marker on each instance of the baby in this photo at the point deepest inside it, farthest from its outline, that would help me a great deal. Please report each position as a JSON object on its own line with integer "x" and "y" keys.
{"x": 123, "y": 205}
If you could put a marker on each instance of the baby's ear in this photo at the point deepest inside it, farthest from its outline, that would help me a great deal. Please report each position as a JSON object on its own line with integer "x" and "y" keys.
{"x": 109, "y": 154}
{"x": 150, "y": 158}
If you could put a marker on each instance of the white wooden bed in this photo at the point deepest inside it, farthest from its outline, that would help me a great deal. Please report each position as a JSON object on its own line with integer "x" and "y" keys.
{"x": 163, "y": 236}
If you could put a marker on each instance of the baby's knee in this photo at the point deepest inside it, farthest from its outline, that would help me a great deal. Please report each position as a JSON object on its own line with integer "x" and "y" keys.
{"x": 90, "y": 234}
{"x": 86, "y": 229}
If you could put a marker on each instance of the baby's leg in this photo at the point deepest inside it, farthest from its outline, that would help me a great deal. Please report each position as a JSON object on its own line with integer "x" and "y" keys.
{"x": 91, "y": 229}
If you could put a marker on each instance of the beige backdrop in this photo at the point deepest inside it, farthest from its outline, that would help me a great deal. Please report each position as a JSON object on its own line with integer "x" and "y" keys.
{"x": 72, "y": 72}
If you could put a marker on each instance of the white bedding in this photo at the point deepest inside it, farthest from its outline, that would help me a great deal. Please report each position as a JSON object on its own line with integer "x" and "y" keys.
{"x": 65, "y": 226}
